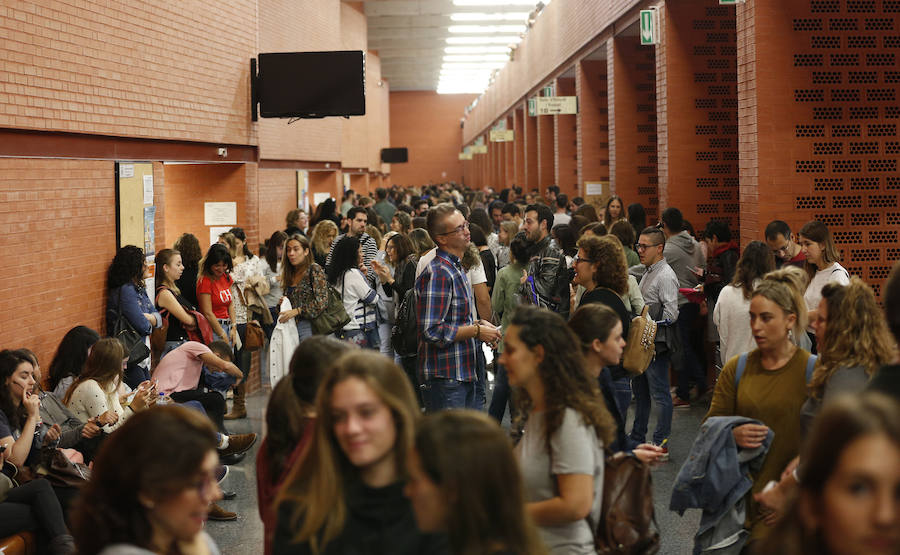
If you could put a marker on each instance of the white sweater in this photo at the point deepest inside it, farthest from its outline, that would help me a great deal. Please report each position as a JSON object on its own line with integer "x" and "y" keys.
{"x": 732, "y": 318}
{"x": 89, "y": 400}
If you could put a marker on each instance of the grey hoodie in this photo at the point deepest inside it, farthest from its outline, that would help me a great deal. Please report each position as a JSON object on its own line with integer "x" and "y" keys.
{"x": 684, "y": 254}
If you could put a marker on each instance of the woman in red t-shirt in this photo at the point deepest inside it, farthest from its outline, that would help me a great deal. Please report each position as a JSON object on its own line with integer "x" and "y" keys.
{"x": 214, "y": 292}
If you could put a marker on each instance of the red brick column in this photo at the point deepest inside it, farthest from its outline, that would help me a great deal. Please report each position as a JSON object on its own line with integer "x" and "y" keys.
{"x": 564, "y": 144}
{"x": 592, "y": 122}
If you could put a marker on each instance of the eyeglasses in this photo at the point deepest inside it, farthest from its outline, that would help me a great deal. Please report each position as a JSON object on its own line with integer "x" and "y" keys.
{"x": 578, "y": 259}
{"x": 640, "y": 246}
{"x": 458, "y": 229}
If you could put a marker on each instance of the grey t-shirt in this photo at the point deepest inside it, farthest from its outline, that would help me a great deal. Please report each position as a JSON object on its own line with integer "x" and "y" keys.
{"x": 576, "y": 450}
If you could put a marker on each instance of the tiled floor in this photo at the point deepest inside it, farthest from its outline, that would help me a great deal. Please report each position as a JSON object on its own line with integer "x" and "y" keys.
{"x": 244, "y": 536}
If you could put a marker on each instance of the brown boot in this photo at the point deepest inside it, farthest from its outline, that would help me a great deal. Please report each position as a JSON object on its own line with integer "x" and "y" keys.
{"x": 238, "y": 444}
{"x": 238, "y": 407}
{"x": 218, "y": 513}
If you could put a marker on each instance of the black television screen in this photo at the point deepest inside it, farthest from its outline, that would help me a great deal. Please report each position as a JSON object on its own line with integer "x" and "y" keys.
{"x": 394, "y": 155}
{"x": 312, "y": 84}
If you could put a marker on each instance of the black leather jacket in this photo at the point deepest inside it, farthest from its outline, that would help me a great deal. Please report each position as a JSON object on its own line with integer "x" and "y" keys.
{"x": 549, "y": 275}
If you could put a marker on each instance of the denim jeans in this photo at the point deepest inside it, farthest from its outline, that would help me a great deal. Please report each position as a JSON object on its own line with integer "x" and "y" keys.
{"x": 447, "y": 393}
{"x": 501, "y": 396}
{"x": 384, "y": 335}
{"x": 687, "y": 366}
{"x": 622, "y": 392}
{"x": 653, "y": 383}
{"x": 481, "y": 375}
{"x": 170, "y": 346}
{"x": 304, "y": 329}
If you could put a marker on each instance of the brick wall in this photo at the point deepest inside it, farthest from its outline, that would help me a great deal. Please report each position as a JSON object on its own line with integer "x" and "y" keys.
{"x": 129, "y": 68}
{"x": 189, "y": 186}
{"x": 58, "y": 223}
{"x": 297, "y": 26}
{"x": 565, "y": 175}
{"x": 697, "y": 112}
{"x": 592, "y": 122}
{"x": 428, "y": 125}
{"x": 826, "y": 116}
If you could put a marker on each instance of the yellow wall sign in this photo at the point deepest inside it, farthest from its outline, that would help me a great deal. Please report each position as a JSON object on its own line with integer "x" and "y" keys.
{"x": 465, "y": 155}
{"x": 502, "y": 136}
{"x": 479, "y": 149}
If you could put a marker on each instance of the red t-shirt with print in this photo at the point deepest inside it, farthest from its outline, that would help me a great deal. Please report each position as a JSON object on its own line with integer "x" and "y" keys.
{"x": 219, "y": 292}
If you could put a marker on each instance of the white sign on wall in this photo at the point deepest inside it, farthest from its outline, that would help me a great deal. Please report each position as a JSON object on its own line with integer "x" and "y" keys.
{"x": 220, "y": 213}
{"x": 554, "y": 105}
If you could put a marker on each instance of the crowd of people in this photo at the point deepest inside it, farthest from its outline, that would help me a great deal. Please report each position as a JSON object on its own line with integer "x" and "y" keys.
{"x": 385, "y": 324}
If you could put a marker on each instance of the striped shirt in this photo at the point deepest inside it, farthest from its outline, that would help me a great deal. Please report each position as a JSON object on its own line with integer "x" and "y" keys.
{"x": 445, "y": 302}
{"x": 659, "y": 287}
{"x": 370, "y": 250}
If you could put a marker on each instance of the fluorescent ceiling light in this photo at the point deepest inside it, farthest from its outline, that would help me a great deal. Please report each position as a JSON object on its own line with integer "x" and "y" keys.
{"x": 476, "y": 50}
{"x": 476, "y": 58}
{"x": 471, "y": 66}
{"x": 530, "y": 3}
{"x": 510, "y": 39}
{"x": 492, "y": 29}
{"x": 477, "y": 16}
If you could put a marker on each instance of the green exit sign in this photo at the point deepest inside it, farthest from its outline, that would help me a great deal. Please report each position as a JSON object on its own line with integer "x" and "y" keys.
{"x": 649, "y": 27}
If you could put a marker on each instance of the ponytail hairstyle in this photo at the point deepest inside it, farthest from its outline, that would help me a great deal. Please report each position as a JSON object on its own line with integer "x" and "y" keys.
{"x": 856, "y": 333}
{"x": 238, "y": 232}
{"x": 593, "y": 321}
{"x": 163, "y": 258}
{"x": 785, "y": 288}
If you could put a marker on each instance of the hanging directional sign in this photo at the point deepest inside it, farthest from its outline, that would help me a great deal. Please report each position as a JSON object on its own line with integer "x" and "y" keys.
{"x": 649, "y": 27}
{"x": 554, "y": 105}
{"x": 532, "y": 107}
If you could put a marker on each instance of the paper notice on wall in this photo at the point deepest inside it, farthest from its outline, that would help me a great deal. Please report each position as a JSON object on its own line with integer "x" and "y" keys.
{"x": 148, "y": 189}
{"x": 597, "y": 188}
{"x": 126, "y": 170}
{"x": 220, "y": 213}
{"x": 319, "y": 198}
{"x": 214, "y": 233}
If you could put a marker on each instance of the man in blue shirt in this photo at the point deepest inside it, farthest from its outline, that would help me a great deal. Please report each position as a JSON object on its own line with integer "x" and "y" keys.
{"x": 448, "y": 332}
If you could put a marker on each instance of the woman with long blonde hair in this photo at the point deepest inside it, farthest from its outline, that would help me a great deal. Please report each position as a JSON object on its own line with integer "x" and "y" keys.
{"x": 347, "y": 494}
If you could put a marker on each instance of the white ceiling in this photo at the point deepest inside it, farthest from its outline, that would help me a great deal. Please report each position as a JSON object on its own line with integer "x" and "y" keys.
{"x": 410, "y": 36}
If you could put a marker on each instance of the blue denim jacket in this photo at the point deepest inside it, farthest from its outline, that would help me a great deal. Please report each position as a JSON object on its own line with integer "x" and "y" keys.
{"x": 135, "y": 303}
{"x": 716, "y": 478}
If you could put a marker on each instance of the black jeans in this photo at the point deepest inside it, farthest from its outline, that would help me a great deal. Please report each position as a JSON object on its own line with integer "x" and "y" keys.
{"x": 213, "y": 403}
{"x": 32, "y": 506}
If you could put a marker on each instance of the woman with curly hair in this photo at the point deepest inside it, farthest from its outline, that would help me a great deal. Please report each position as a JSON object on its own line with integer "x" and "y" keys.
{"x": 128, "y": 296}
{"x": 600, "y": 269}
{"x": 561, "y": 450}
{"x": 322, "y": 236}
{"x": 854, "y": 341}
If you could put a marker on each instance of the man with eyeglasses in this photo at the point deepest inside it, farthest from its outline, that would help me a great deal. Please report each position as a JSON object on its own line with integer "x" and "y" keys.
{"x": 547, "y": 282}
{"x": 445, "y": 304}
{"x": 783, "y": 245}
{"x": 659, "y": 287}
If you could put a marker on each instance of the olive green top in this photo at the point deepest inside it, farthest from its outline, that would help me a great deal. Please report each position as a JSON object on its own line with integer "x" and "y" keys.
{"x": 773, "y": 397}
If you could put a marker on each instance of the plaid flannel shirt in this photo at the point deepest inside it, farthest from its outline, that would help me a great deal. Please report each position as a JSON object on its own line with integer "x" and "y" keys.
{"x": 444, "y": 303}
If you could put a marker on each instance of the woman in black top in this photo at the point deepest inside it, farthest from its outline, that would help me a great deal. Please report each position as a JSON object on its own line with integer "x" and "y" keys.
{"x": 346, "y": 496}
{"x": 169, "y": 300}
{"x": 488, "y": 262}
{"x": 189, "y": 247}
{"x": 600, "y": 267}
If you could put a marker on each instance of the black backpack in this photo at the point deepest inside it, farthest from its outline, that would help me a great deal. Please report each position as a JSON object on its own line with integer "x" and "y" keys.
{"x": 404, "y": 333}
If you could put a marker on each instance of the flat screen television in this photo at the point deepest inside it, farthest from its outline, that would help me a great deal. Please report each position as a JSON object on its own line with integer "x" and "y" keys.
{"x": 311, "y": 84}
{"x": 394, "y": 155}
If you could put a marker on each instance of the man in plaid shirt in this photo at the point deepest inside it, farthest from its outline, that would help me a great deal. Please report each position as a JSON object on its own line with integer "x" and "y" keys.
{"x": 447, "y": 328}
